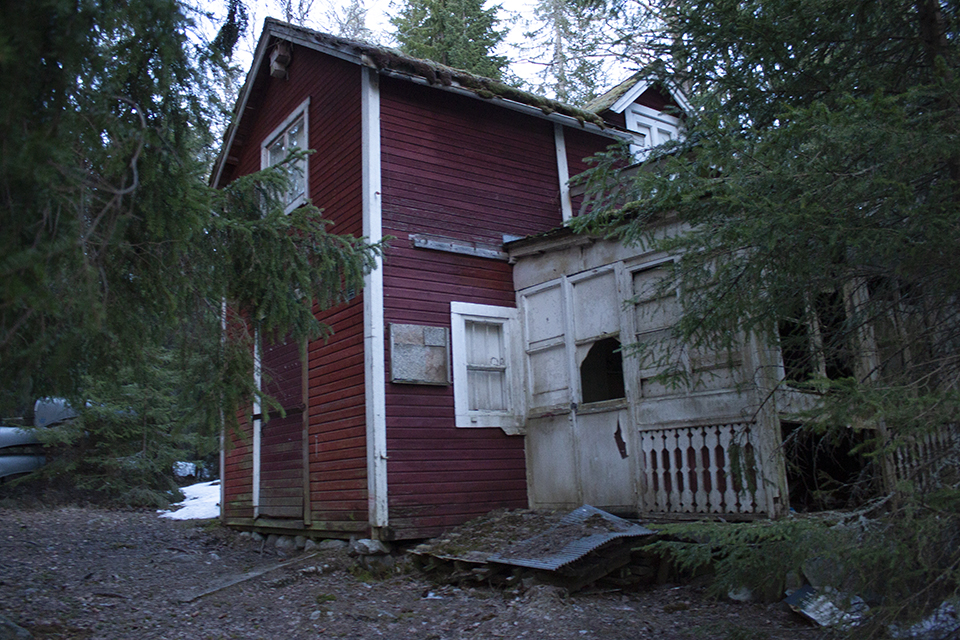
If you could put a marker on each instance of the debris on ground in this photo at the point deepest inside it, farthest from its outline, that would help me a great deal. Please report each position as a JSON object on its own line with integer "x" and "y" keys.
{"x": 828, "y": 607}
{"x": 508, "y": 548}
{"x": 96, "y": 574}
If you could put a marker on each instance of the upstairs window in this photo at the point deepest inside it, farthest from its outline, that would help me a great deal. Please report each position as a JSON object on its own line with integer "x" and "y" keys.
{"x": 650, "y": 128}
{"x": 485, "y": 377}
{"x": 290, "y": 136}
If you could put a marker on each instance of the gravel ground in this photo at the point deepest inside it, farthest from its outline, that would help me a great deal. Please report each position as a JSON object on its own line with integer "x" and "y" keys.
{"x": 82, "y": 572}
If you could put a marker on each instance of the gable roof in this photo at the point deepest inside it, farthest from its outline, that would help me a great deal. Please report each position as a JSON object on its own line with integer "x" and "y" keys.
{"x": 392, "y": 62}
{"x": 624, "y": 94}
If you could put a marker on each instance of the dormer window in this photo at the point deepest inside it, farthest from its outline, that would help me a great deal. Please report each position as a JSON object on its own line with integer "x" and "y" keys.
{"x": 650, "y": 128}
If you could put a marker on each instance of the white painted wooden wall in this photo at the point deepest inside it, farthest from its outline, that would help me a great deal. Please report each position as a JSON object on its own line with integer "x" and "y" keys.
{"x": 705, "y": 445}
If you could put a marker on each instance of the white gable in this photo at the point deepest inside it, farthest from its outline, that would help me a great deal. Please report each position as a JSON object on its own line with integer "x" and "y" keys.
{"x": 650, "y": 127}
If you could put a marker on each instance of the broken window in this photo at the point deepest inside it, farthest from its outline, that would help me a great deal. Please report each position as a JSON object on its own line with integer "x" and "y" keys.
{"x": 601, "y": 372}
{"x": 815, "y": 339}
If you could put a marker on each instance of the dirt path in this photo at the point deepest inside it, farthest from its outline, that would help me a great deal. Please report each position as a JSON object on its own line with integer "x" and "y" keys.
{"x": 92, "y": 573}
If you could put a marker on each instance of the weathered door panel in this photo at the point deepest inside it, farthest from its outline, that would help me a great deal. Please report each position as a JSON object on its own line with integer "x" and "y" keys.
{"x": 607, "y": 460}
{"x": 596, "y": 306}
{"x": 544, "y": 319}
{"x": 551, "y": 465}
{"x": 281, "y": 467}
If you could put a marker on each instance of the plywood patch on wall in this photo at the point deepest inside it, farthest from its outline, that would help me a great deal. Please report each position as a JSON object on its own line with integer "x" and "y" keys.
{"x": 419, "y": 354}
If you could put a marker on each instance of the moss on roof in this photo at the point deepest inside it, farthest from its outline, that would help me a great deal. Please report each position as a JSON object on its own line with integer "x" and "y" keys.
{"x": 605, "y": 101}
{"x": 655, "y": 74}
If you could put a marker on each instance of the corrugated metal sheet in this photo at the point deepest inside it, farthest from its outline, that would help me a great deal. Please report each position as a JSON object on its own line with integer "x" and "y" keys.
{"x": 577, "y": 534}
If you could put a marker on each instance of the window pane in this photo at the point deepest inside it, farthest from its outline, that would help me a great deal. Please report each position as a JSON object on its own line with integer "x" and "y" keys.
{"x": 486, "y": 367}
{"x": 295, "y": 135}
{"x": 277, "y": 152}
{"x": 298, "y": 180}
{"x": 487, "y": 390}
{"x": 484, "y": 344}
{"x": 295, "y": 140}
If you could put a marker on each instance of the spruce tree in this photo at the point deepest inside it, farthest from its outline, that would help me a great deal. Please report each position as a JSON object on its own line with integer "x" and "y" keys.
{"x": 113, "y": 246}
{"x": 819, "y": 192}
{"x": 457, "y": 33}
{"x": 567, "y": 41}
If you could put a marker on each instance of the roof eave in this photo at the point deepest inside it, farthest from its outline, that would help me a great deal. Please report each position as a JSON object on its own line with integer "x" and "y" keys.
{"x": 241, "y": 105}
{"x": 513, "y": 105}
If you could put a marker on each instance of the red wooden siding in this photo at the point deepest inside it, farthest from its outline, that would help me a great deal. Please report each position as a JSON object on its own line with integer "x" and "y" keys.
{"x": 654, "y": 99}
{"x": 461, "y": 167}
{"x": 616, "y": 119}
{"x": 581, "y": 145}
{"x": 337, "y": 406}
{"x": 237, "y": 477}
{"x": 335, "y": 402}
{"x": 337, "y": 437}
{"x": 465, "y": 169}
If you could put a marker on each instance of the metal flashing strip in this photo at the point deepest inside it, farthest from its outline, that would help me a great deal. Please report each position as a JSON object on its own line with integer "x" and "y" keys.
{"x": 565, "y": 543}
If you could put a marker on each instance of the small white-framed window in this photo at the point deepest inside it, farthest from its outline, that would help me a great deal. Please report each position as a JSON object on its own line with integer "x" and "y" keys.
{"x": 486, "y": 380}
{"x": 650, "y": 128}
{"x": 289, "y": 136}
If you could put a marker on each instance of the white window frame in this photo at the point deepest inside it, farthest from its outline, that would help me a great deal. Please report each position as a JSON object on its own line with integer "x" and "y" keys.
{"x": 511, "y": 419}
{"x": 655, "y": 126}
{"x": 281, "y": 130}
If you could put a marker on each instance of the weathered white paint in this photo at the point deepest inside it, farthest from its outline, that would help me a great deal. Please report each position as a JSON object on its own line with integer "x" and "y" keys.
{"x": 479, "y": 334}
{"x": 701, "y": 470}
{"x": 373, "y": 323}
{"x": 652, "y": 128}
{"x": 563, "y": 172}
{"x": 551, "y": 479}
{"x": 455, "y": 245}
{"x": 223, "y": 423}
{"x": 577, "y": 452}
{"x": 646, "y": 450}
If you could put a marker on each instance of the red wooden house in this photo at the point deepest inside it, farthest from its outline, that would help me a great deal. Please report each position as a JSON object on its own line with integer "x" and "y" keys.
{"x": 409, "y": 419}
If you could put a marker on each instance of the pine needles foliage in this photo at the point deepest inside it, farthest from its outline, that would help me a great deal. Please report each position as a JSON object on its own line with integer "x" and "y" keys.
{"x": 903, "y": 567}
{"x": 813, "y": 206}
{"x": 457, "y": 33}
{"x": 128, "y": 285}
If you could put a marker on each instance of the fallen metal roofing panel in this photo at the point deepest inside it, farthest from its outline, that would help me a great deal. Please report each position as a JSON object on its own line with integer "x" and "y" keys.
{"x": 578, "y": 533}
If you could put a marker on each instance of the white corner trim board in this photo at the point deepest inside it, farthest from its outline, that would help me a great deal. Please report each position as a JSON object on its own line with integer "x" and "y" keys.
{"x": 563, "y": 172}
{"x": 373, "y": 324}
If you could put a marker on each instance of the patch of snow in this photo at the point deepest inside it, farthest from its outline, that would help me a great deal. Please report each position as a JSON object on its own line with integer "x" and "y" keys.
{"x": 942, "y": 623}
{"x": 202, "y": 503}
{"x": 184, "y": 469}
